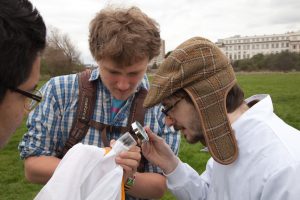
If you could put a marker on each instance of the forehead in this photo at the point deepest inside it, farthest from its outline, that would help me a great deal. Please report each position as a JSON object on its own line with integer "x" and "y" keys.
{"x": 113, "y": 65}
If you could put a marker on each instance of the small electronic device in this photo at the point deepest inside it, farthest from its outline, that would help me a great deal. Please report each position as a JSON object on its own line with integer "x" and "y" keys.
{"x": 139, "y": 131}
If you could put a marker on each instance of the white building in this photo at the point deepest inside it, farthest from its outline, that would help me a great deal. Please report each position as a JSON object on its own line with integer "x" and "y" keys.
{"x": 239, "y": 47}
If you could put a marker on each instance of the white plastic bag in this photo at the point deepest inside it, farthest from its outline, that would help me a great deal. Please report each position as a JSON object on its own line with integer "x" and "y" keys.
{"x": 87, "y": 172}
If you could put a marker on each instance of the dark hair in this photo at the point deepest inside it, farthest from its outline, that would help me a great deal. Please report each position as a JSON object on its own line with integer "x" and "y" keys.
{"x": 234, "y": 99}
{"x": 124, "y": 35}
{"x": 22, "y": 39}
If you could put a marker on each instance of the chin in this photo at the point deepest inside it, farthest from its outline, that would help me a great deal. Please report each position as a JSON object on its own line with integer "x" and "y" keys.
{"x": 189, "y": 140}
{"x": 121, "y": 96}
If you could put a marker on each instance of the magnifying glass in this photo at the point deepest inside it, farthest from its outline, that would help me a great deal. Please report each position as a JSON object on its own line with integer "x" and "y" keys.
{"x": 139, "y": 131}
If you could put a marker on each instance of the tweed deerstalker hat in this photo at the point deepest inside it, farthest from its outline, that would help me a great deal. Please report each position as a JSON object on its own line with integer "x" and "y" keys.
{"x": 200, "y": 68}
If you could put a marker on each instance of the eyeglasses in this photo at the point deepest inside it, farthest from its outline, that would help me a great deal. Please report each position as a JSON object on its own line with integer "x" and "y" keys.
{"x": 32, "y": 100}
{"x": 165, "y": 111}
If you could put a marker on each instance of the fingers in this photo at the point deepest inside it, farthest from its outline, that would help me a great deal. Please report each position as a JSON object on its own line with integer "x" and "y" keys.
{"x": 112, "y": 142}
{"x": 151, "y": 135}
{"x": 129, "y": 160}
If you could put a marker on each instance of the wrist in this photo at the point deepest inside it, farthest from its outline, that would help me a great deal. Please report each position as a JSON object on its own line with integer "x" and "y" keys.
{"x": 171, "y": 166}
{"x": 129, "y": 183}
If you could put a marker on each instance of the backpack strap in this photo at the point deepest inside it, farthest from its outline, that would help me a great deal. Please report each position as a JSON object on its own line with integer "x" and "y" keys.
{"x": 85, "y": 109}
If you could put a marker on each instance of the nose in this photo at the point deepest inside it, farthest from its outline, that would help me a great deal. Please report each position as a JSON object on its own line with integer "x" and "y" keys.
{"x": 169, "y": 121}
{"x": 123, "y": 83}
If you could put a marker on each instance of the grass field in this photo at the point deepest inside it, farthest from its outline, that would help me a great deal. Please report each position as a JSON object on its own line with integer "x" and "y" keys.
{"x": 284, "y": 90}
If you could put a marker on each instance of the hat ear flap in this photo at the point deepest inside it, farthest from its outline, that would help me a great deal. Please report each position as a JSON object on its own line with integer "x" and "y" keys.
{"x": 209, "y": 97}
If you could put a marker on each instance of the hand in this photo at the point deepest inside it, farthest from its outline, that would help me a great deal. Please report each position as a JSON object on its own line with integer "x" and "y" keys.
{"x": 158, "y": 152}
{"x": 129, "y": 160}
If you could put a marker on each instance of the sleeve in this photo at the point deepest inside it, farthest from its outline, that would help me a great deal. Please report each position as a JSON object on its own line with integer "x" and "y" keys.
{"x": 44, "y": 124}
{"x": 157, "y": 125}
{"x": 283, "y": 185}
{"x": 185, "y": 183}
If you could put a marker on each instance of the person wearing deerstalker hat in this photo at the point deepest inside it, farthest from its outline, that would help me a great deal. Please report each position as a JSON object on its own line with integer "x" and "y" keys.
{"x": 255, "y": 155}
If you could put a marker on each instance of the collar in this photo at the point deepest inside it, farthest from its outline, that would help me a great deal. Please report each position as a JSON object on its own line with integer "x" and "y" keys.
{"x": 261, "y": 110}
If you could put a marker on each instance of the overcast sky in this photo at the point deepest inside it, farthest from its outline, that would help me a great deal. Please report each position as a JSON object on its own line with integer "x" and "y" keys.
{"x": 179, "y": 19}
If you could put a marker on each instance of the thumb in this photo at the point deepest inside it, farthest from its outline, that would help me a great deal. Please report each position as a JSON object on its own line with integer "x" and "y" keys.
{"x": 151, "y": 135}
{"x": 112, "y": 142}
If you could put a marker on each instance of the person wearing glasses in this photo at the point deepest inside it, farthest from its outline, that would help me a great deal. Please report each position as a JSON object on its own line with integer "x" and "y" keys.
{"x": 23, "y": 38}
{"x": 122, "y": 41}
{"x": 254, "y": 154}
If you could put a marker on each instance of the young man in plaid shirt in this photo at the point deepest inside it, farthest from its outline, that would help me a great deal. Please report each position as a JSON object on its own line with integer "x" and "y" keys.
{"x": 122, "y": 41}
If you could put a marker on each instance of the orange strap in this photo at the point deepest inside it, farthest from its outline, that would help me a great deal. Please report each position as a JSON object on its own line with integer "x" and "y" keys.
{"x": 122, "y": 190}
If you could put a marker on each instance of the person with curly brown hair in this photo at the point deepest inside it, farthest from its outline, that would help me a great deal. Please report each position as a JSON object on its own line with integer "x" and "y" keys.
{"x": 122, "y": 41}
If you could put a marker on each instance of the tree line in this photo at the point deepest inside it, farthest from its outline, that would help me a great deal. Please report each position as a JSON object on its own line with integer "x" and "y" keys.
{"x": 61, "y": 56}
{"x": 283, "y": 61}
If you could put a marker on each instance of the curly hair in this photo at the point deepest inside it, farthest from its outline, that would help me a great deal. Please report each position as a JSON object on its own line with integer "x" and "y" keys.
{"x": 124, "y": 35}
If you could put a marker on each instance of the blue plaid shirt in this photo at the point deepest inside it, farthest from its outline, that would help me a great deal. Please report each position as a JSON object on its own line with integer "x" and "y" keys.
{"x": 50, "y": 123}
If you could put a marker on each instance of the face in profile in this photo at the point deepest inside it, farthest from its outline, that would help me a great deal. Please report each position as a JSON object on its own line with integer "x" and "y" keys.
{"x": 122, "y": 81}
{"x": 184, "y": 117}
{"x": 12, "y": 107}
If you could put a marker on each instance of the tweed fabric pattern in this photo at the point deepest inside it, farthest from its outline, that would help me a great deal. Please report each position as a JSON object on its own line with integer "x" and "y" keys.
{"x": 203, "y": 71}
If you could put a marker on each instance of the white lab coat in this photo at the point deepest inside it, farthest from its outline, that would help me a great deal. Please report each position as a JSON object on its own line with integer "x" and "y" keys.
{"x": 267, "y": 167}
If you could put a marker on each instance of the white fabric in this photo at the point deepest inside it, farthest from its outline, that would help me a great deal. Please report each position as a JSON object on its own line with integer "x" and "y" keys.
{"x": 85, "y": 173}
{"x": 267, "y": 168}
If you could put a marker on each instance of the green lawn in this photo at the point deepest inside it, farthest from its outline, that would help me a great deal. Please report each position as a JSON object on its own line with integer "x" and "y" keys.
{"x": 284, "y": 90}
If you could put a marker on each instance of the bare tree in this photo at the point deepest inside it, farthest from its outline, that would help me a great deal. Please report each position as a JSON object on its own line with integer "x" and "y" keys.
{"x": 61, "y": 56}
{"x": 60, "y": 41}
